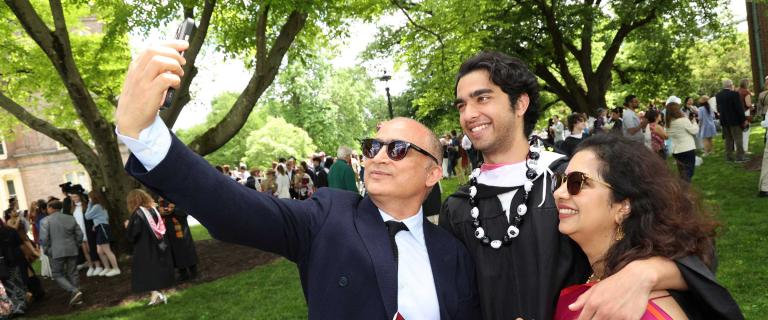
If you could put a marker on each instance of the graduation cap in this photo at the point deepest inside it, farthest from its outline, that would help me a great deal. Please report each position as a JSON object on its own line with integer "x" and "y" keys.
{"x": 76, "y": 189}
{"x": 65, "y": 187}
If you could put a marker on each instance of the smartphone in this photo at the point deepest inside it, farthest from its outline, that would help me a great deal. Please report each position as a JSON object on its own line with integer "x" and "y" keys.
{"x": 184, "y": 32}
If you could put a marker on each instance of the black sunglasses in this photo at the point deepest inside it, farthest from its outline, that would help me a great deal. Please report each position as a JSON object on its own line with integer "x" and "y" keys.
{"x": 574, "y": 181}
{"x": 396, "y": 149}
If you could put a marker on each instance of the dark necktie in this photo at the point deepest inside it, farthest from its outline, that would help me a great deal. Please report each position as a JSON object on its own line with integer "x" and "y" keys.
{"x": 395, "y": 227}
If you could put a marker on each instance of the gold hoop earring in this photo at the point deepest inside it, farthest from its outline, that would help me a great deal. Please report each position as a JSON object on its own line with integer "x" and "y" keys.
{"x": 619, "y": 233}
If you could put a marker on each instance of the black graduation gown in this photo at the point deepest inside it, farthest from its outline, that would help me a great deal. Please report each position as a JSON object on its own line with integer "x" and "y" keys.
{"x": 152, "y": 268}
{"x": 322, "y": 179}
{"x": 182, "y": 249}
{"x": 524, "y": 278}
{"x": 431, "y": 205}
{"x": 568, "y": 146}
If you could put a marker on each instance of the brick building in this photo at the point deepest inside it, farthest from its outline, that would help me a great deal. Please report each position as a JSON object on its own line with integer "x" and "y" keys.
{"x": 33, "y": 165}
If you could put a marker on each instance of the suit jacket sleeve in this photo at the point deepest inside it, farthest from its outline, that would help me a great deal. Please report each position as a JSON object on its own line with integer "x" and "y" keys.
{"x": 230, "y": 211}
{"x": 44, "y": 235}
{"x": 738, "y": 107}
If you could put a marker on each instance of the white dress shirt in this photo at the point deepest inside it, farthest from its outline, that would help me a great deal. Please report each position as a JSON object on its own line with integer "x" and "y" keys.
{"x": 416, "y": 292}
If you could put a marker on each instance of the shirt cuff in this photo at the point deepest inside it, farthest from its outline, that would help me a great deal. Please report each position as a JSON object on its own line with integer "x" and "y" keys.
{"x": 152, "y": 146}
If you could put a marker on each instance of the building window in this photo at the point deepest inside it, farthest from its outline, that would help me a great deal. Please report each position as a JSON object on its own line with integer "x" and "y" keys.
{"x": 11, "y": 188}
{"x": 3, "y": 154}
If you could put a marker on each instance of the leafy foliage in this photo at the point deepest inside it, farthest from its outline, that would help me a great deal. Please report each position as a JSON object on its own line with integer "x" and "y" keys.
{"x": 277, "y": 139}
{"x": 233, "y": 152}
{"x": 333, "y": 106}
{"x": 571, "y": 46}
{"x": 28, "y": 76}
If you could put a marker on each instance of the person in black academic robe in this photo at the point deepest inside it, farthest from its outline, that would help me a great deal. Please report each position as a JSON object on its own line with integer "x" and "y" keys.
{"x": 431, "y": 205}
{"x": 180, "y": 240}
{"x": 528, "y": 273}
{"x": 152, "y": 267}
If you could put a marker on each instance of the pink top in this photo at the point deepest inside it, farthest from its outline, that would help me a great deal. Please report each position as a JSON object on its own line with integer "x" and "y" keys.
{"x": 570, "y": 294}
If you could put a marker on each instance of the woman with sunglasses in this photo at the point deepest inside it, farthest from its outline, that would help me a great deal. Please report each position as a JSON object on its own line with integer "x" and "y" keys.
{"x": 619, "y": 213}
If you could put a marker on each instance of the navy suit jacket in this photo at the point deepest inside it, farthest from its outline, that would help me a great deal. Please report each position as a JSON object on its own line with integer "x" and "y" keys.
{"x": 337, "y": 239}
{"x": 731, "y": 108}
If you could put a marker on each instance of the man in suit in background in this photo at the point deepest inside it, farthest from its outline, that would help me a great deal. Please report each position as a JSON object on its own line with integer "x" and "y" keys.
{"x": 353, "y": 262}
{"x": 732, "y": 119}
{"x": 60, "y": 237}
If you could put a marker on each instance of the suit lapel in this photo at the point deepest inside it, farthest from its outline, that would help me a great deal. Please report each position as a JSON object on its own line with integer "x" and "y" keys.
{"x": 441, "y": 261}
{"x": 373, "y": 232}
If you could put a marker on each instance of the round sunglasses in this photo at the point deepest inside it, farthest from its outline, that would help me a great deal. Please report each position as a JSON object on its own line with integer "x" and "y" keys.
{"x": 396, "y": 149}
{"x": 574, "y": 181}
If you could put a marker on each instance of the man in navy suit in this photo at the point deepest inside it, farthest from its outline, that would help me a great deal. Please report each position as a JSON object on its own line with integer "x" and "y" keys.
{"x": 352, "y": 264}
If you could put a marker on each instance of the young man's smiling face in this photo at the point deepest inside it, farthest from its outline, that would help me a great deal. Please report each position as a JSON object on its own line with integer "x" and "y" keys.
{"x": 485, "y": 112}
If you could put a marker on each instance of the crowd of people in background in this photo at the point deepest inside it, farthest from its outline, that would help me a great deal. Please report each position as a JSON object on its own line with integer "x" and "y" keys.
{"x": 680, "y": 128}
{"x": 284, "y": 178}
{"x": 72, "y": 235}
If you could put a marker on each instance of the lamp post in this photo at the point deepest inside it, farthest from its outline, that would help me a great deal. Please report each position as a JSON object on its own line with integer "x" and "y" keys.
{"x": 386, "y": 79}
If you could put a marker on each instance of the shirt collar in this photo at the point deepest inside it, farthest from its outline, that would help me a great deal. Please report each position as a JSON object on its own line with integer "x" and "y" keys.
{"x": 414, "y": 223}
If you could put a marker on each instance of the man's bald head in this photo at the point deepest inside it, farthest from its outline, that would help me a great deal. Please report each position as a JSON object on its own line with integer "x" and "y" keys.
{"x": 425, "y": 137}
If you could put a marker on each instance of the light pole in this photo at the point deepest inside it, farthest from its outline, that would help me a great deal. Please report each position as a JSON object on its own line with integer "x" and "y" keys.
{"x": 386, "y": 79}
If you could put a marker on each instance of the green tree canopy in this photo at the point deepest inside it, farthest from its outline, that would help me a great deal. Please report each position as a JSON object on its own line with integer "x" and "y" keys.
{"x": 61, "y": 66}
{"x": 277, "y": 139}
{"x": 572, "y": 47}
{"x": 233, "y": 152}
{"x": 335, "y": 106}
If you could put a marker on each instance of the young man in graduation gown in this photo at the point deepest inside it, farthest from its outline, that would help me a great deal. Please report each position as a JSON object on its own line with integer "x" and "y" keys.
{"x": 353, "y": 263}
{"x": 508, "y": 220}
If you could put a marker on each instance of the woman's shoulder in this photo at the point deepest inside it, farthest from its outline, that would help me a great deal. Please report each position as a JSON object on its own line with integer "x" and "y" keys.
{"x": 664, "y": 301}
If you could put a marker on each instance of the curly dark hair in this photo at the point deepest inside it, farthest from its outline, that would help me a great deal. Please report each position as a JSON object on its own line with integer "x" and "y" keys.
{"x": 666, "y": 217}
{"x": 512, "y": 76}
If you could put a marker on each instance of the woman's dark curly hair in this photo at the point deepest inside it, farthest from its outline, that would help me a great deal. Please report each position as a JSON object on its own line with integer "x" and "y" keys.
{"x": 666, "y": 217}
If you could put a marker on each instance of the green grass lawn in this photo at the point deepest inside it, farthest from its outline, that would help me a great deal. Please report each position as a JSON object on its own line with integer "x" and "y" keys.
{"x": 741, "y": 246}
{"x": 199, "y": 232}
{"x": 270, "y": 291}
{"x": 273, "y": 291}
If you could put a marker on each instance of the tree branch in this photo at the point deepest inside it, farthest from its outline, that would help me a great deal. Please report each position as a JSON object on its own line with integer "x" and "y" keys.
{"x": 261, "y": 39}
{"x": 33, "y": 24}
{"x": 219, "y": 134}
{"x": 181, "y": 98}
{"x": 67, "y": 137}
{"x": 549, "y": 104}
{"x": 573, "y": 97}
{"x": 427, "y": 30}
{"x": 558, "y": 42}
{"x": 585, "y": 58}
{"x": 604, "y": 68}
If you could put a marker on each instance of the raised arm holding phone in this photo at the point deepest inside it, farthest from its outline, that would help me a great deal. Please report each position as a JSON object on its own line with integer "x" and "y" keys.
{"x": 352, "y": 264}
